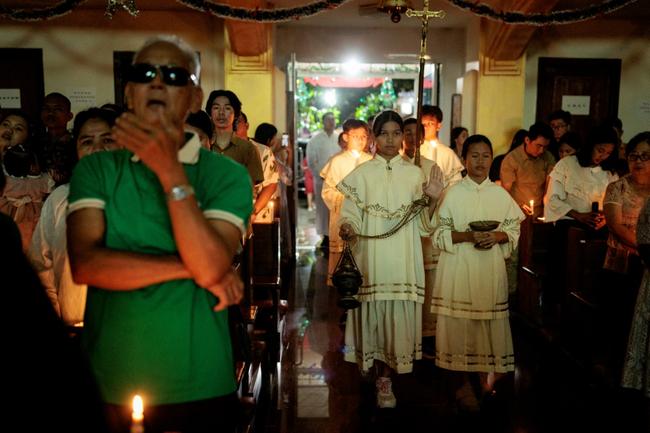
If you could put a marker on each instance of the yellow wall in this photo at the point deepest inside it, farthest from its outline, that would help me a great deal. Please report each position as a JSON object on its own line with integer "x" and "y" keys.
{"x": 500, "y": 106}
{"x": 78, "y": 48}
{"x": 280, "y": 101}
{"x": 251, "y": 78}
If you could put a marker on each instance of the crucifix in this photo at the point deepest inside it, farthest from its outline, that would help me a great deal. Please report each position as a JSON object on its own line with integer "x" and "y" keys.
{"x": 424, "y": 15}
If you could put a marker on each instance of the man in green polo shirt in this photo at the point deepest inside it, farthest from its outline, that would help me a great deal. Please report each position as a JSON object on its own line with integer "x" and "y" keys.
{"x": 152, "y": 230}
{"x": 224, "y": 107}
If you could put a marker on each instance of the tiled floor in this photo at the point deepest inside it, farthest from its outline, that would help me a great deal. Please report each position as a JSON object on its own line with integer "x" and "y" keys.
{"x": 549, "y": 392}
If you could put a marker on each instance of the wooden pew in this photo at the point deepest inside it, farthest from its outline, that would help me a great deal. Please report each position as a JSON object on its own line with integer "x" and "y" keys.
{"x": 534, "y": 247}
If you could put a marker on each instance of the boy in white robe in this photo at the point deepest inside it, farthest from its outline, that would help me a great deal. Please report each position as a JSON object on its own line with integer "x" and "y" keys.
{"x": 431, "y": 148}
{"x": 430, "y": 253}
{"x": 355, "y": 138}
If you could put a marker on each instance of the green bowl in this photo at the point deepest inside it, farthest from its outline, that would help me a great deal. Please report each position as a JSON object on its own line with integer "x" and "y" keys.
{"x": 484, "y": 226}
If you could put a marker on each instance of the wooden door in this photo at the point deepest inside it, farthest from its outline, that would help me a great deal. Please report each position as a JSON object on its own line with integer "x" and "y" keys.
{"x": 22, "y": 69}
{"x": 594, "y": 81}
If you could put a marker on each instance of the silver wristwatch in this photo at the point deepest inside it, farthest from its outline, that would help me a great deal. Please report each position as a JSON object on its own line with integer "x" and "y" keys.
{"x": 180, "y": 192}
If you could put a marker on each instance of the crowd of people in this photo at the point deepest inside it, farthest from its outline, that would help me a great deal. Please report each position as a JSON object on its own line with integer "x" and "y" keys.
{"x": 446, "y": 296}
{"x": 132, "y": 222}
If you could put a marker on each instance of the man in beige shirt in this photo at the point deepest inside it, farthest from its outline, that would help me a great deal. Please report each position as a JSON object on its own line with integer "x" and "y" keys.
{"x": 224, "y": 107}
{"x": 524, "y": 170}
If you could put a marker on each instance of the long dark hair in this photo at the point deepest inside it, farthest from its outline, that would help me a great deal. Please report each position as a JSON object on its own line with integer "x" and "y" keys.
{"x": 265, "y": 133}
{"x": 455, "y": 133}
{"x": 599, "y": 135}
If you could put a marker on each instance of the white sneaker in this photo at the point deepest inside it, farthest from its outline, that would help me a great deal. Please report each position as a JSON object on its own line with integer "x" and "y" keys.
{"x": 385, "y": 397}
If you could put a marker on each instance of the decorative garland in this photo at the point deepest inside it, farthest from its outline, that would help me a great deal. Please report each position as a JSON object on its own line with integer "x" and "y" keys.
{"x": 288, "y": 14}
{"x": 220, "y": 10}
{"x": 543, "y": 19}
{"x": 47, "y": 13}
{"x": 263, "y": 15}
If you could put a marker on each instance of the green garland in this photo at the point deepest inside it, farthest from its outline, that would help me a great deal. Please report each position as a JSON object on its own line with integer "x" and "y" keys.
{"x": 288, "y": 14}
{"x": 220, "y": 10}
{"x": 543, "y": 19}
{"x": 263, "y": 15}
{"x": 47, "y": 13}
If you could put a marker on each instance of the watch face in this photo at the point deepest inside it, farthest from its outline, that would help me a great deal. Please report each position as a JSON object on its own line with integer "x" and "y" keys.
{"x": 180, "y": 192}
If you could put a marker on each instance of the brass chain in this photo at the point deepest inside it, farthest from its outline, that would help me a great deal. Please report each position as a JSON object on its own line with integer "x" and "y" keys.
{"x": 413, "y": 210}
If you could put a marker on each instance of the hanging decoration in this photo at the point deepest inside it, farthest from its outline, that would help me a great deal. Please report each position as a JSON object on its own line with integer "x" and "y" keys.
{"x": 543, "y": 19}
{"x": 287, "y": 14}
{"x": 263, "y": 15}
{"x": 47, "y": 13}
{"x": 128, "y": 5}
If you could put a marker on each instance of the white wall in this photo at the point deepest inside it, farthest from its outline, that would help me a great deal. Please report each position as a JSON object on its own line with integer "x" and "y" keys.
{"x": 78, "y": 48}
{"x": 603, "y": 39}
{"x": 374, "y": 45}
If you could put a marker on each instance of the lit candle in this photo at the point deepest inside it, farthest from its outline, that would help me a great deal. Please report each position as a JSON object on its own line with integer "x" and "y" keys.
{"x": 137, "y": 416}
{"x": 532, "y": 207}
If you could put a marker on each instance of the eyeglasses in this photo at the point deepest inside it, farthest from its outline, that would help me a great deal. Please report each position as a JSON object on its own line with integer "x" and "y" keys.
{"x": 171, "y": 75}
{"x": 643, "y": 157}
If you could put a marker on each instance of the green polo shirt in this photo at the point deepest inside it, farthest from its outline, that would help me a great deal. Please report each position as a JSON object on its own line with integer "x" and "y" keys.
{"x": 245, "y": 153}
{"x": 162, "y": 341}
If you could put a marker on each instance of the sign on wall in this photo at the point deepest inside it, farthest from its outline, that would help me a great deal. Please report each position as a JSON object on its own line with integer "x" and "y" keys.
{"x": 9, "y": 98}
{"x": 576, "y": 104}
{"x": 82, "y": 98}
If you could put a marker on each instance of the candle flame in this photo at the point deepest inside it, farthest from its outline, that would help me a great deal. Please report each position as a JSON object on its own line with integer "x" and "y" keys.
{"x": 138, "y": 409}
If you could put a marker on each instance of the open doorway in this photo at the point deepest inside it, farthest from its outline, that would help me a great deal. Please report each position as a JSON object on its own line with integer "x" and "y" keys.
{"x": 348, "y": 90}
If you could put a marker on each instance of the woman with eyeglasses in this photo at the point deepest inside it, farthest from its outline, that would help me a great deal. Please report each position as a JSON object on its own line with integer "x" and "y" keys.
{"x": 623, "y": 202}
{"x": 636, "y": 367}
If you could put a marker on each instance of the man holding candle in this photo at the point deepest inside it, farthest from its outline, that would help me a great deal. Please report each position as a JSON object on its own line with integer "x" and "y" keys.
{"x": 524, "y": 170}
{"x": 152, "y": 230}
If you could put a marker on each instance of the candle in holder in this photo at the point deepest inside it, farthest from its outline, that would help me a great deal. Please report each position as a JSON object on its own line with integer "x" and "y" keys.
{"x": 137, "y": 416}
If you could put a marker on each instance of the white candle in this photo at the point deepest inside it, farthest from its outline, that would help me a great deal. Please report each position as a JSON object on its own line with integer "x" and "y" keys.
{"x": 137, "y": 416}
{"x": 532, "y": 207}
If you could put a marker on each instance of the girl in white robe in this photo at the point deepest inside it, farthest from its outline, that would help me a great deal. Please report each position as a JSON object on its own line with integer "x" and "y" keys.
{"x": 385, "y": 331}
{"x": 470, "y": 293}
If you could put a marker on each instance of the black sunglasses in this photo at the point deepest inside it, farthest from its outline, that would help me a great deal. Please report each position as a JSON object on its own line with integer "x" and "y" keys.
{"x": 171, "y": 75}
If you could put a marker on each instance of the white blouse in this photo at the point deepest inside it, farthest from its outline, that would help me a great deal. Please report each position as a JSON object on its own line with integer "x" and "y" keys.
{"x": 573, "y": 187}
